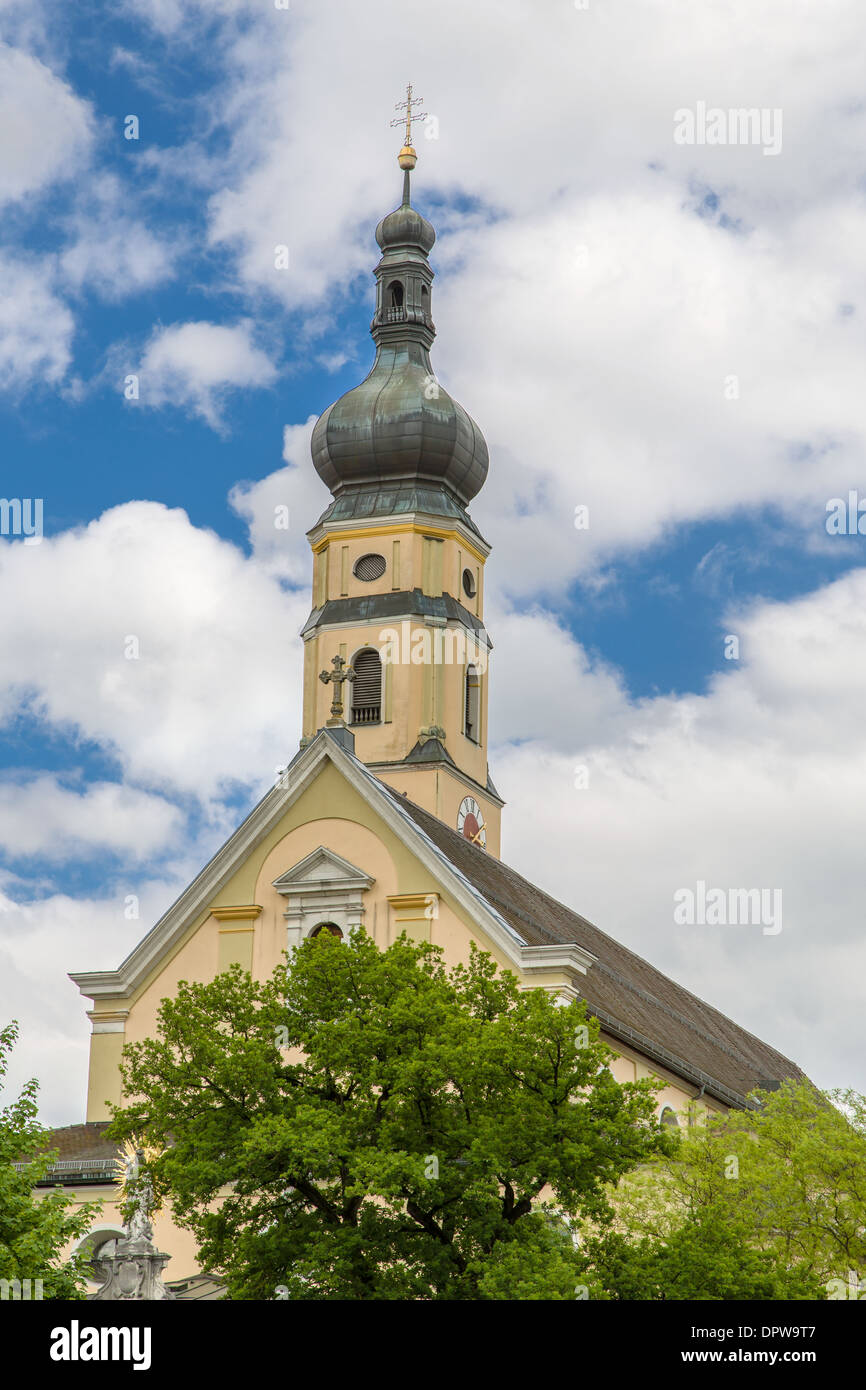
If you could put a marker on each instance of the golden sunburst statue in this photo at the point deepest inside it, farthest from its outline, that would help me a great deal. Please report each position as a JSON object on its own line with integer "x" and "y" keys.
{"x": 134, "y": 1152}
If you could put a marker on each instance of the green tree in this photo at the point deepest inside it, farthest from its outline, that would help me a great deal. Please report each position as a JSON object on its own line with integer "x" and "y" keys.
{"x": 788, "y": 1177}
{"x": 707, "y": 1258}
{"x": 33, "y": 1232}
{"x": 368, "y": 1124}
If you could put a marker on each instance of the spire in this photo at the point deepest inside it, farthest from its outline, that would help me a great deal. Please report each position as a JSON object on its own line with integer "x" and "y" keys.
{"x": 400, "y": 424}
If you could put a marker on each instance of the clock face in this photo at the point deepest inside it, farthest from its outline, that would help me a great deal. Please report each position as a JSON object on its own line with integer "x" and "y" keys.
{"x": 470, "y": 822}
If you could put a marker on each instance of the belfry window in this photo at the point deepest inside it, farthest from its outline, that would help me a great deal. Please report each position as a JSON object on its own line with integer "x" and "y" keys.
{"x": 472, "y": 705}
{"x": 425, "y": 303}
{"x": 395, "y": 300}
{"x": 367, "y": 688}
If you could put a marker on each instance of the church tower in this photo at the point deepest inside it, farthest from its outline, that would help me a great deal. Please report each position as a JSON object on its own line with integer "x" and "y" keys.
{"x": 396, "y": 655}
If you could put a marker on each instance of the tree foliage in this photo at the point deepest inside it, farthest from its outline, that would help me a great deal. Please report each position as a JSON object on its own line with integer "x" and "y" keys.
{"x": 705, "y": 1259}
{"x": 369, "y": 1124}
{"x": 34, "y": 1231}
{"x": 786, "y": 1181}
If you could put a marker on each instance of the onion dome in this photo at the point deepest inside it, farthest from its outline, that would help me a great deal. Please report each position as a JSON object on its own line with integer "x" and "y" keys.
{"x": 389, "y": 429}
{"x": 405, "y": 227}
{"x": 400, "y": 424}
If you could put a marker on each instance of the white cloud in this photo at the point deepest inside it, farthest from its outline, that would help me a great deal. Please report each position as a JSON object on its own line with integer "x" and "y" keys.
{"x": 294, "y": 494}
{"x": 36, "y": 327}
{"x": 212, "y": 697}
{"x": 591, "y": 103}
{"x": 47, "y": 129}
{"x": 196, "y": 365}
{"x": 578, "y": 692}
{"x": 45, "y": 818}
{"x": 40, "y": 942}
{"x": 114, "y": 253}
{"x": 600, "y": 377}
{"x": 172, "y": 16}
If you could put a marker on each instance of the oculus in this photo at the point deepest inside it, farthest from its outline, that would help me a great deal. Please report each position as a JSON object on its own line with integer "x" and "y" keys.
{"x": 369, "y": 567}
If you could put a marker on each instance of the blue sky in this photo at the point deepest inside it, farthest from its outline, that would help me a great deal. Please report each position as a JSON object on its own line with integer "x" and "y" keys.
{"x": 597, "y": 287}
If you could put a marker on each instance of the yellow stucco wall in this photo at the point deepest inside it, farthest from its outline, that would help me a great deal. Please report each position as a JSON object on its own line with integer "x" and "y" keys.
{"x": 421, "y": 693}
{"x": 425, "y": 687}
{"x": 429, "y": 557}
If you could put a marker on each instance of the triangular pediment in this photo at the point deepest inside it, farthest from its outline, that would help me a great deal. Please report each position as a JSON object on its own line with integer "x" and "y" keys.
{"x": 311, "y": 875}
{"x": 322, "y": 869}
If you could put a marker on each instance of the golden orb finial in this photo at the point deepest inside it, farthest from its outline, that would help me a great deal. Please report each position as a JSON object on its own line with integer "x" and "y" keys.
{"x": 407, "y": 158}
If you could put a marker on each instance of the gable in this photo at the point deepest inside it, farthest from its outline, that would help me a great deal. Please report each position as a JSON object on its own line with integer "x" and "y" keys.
{"x": 327, "y": 804}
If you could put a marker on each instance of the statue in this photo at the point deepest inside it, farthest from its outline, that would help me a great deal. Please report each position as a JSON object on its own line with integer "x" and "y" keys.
{"x": 133, "y": 1271}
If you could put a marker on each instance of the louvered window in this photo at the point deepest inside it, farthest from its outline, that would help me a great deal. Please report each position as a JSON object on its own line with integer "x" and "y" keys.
{"x": 472, "y": 704}
{"x": 367, "y": 688}
{"x": 369, "y": 567}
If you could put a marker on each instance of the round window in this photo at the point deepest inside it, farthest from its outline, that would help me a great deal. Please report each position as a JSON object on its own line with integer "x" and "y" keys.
{"x": 369, "y": 567}
{"x": 469, "y": 583}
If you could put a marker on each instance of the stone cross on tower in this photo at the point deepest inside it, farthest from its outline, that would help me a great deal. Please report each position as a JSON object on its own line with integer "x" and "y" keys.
{"x": 337, "y": 676}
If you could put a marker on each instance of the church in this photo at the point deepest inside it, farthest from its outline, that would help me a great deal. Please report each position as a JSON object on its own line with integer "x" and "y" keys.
{"x": 388, "y": 816}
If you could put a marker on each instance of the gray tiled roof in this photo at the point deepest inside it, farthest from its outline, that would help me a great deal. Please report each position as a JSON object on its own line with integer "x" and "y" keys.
{"x": 636, "y": 1002}
{"x": 396, "y": 499}
{"x": 402, "y": 603}
{"x": 84, "y": 1155}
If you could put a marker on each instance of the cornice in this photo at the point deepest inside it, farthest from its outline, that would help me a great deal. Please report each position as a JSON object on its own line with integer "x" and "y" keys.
{"x": 469, "y": 782}
{"x": 246, "y": 913}
{"x": 416, "y": 523}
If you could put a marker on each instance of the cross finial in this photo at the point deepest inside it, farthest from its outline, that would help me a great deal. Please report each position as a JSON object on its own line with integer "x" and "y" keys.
{"x": 411, "y": 114}
{"x": 337, "y": 676}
